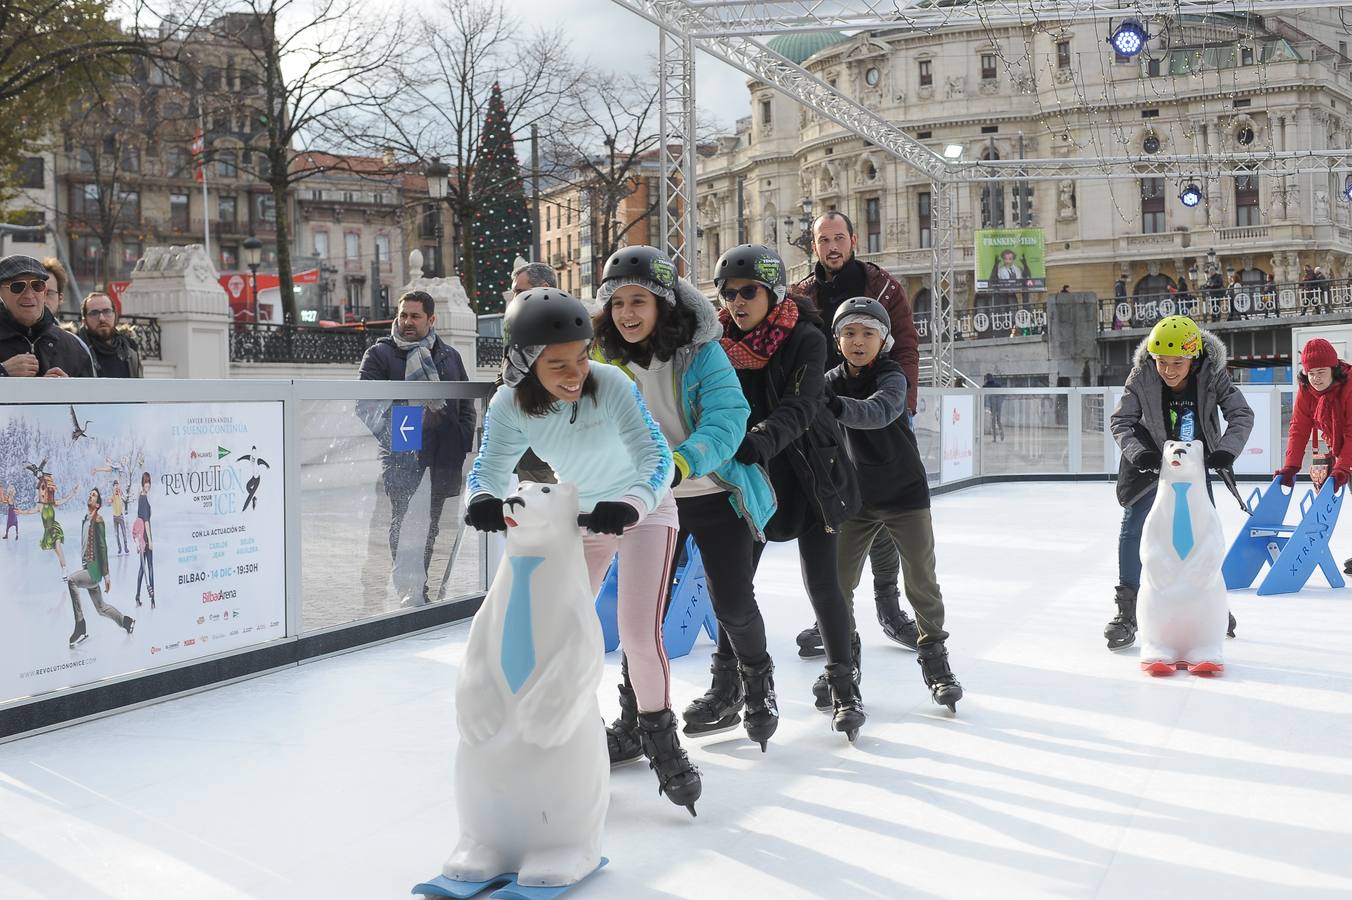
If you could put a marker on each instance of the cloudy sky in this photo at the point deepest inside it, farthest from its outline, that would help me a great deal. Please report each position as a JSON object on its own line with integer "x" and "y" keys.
{"x": 614, "y": 39}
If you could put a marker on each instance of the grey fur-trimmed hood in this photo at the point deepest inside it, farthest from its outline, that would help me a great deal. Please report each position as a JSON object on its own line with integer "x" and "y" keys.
{"x": 707, "y": 327}
{"x": 1213, "y": 346}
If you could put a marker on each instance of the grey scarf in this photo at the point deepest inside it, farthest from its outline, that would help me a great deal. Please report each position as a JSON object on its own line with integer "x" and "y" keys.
{"x": 418, "y": 364}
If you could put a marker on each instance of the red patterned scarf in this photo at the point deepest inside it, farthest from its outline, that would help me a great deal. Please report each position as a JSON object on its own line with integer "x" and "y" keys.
{"x": 754, "y": 349}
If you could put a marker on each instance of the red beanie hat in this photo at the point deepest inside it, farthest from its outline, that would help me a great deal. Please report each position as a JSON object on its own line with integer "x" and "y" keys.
{"x": 1318, "y": 354}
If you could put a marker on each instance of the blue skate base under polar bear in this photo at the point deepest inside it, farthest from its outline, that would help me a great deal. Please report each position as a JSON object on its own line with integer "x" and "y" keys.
{"x": 505, "y": 884}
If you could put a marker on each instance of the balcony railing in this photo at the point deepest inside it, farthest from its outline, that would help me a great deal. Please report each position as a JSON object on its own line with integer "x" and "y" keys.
{"x": 1249, "y": 302}
{"x": 489, "y": 352}
{"x": 257, "y": 342}
{"x": 1003, "y": 321}
{"x": 145, "y": 331}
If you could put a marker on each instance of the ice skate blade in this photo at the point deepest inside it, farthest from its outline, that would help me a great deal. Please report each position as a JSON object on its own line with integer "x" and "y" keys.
{"x": 811, "y": 652}
{"x": 1158, "y": 668}
{"x": 506, "y": 886}
{"x": 852, "y": 734}
{"x": 691, "y": 807}
{"x": 1207, "y": 668}
{"x": 694, "y": 729}
{"x": 1125, "y": 646}
{"x": 621, "y": 763}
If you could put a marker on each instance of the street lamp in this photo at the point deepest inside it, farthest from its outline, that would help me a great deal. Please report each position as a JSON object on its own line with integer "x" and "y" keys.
{"x": 438, "y": 183}
{"x": 804, "y": 239}
{"x": 253, "y": 255}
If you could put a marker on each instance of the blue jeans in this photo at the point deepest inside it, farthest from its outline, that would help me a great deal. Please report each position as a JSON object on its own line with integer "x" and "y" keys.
{"x": 1129, "y": 537}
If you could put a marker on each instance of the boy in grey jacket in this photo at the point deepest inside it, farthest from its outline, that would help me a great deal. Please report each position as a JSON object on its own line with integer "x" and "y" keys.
{"x": 1177, "y": 391}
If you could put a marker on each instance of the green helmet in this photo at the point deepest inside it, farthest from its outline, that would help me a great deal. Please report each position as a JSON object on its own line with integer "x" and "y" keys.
{"x": 1175, "y": 336}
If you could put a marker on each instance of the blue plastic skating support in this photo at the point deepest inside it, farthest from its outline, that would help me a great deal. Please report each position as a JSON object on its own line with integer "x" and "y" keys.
{"x": 1249, "y": 552}
{"x": 690, "y": 606}
{"x": 507, "y": 888}
{"x": 608, "y": 606}
{"x": 1308, "y": 546}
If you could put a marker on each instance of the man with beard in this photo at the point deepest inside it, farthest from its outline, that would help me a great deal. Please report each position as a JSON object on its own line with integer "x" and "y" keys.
{"x": 32, "y": 344}
{"x": 414, "y": 352}
{"x": 839, "y": 276}
{"x": 115, "y": 352}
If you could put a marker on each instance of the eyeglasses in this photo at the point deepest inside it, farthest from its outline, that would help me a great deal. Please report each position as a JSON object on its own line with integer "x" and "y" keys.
{"x": 17, "y": 287}
{"x": 100, "y": 313}
{"x": 746, "y": 292}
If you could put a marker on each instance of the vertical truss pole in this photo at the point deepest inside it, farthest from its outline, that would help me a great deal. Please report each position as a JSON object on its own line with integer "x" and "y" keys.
{"x": 676, "y": 122}
{"x": 943, "y": 227}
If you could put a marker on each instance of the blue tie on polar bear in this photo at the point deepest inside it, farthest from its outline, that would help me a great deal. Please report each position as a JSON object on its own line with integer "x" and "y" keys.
{"x": 1181, "y": 607}
{"x": 532, "y": 776}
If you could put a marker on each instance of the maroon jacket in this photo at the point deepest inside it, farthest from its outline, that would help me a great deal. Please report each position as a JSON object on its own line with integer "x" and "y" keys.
{"x": 886, "y": 290}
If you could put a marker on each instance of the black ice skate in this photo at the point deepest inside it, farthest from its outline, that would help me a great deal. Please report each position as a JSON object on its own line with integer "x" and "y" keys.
{"x": 719, "y": 708}
{"x": 78, "y": 636}
{"x": 676, "y": 777}
{"x": 622, "y": 737}
{"x": 128, "y": 623}
{"x": 897, "y": 626}
{"x": 762, "y": 711}
{"x": 1121, "y": 631}
{"x": 847, "y": 705}
{"x": 821, "y": 688}
{"x": 944, "y": 688}
{"x": 1230, "y": 627}
{"x": 810, "y": 642}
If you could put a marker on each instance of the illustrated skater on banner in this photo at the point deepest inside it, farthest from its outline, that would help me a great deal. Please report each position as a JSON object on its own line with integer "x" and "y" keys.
{"x": 119, "y": 505}
{"x": 589, "y": 423}
{"x": 1321, "y": 418}
{"x": 251, "y": 486}
{"x": 140, "y": 533}
{"x": 11, "y": 513}
{"x": 53, "y": 537}
{"x": 94, "y": 558}
{"x": 1176, "y": 391}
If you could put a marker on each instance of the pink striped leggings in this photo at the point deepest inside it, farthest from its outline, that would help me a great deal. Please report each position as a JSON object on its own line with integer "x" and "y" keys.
{"x": 646, "y": 551}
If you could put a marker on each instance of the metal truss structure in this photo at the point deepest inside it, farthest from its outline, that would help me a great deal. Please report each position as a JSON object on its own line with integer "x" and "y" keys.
{"x": 725, "y": 30}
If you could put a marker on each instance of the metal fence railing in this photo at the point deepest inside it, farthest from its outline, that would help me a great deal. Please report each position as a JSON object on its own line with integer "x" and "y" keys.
{"x": 997, "y": 321}
{"x": 1235, "y": 304}
{"x": 259, "y": 342}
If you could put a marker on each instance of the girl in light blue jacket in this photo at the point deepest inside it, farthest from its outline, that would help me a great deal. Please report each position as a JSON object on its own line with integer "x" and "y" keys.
{"x": 665, "y": 335}
{"x": 588, "y": 423}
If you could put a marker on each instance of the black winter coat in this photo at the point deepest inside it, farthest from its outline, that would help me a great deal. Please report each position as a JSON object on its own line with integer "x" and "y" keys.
{"x": 448, "y": 434}
{"x": 54, "y": 348}
{"x": 891, "y": 473}
{"x": 790, "y": 425}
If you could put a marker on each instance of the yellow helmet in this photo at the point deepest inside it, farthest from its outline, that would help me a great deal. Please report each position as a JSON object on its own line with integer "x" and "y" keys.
{"x": 1175, "y": 336}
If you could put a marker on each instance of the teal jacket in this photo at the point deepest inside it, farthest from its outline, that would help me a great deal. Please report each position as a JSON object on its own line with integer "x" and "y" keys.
{"x": 715, "y": 412}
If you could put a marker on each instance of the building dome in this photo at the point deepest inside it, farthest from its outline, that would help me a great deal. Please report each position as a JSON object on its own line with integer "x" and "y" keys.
{"x": 798, "y": 47}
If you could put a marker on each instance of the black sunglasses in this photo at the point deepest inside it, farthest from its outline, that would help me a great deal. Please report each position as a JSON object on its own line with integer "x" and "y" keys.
{"x": 16, "y": 287}
{"x": 746, "y": 292}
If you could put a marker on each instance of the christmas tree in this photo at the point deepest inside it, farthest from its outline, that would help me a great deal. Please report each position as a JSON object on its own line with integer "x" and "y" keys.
{"x": 501, "y": 230}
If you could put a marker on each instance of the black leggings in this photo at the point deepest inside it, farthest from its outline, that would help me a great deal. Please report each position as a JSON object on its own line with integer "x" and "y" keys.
{"x": 727, "y": 549}
{"x": 817, "y": 556}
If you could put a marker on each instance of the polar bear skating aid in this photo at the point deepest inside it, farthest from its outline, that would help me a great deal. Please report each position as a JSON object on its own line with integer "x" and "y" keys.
{"x": 1181, "y": 608}
{"x": 532, "y": 776}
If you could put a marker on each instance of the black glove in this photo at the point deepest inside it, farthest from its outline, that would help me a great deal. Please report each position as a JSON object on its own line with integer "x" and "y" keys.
{"x": 750, "y": 450}
{"x": 611, "y": 517}
{"x": 833, "y": 403}
{"x": 1148, "y": 459}
{"x": 485, "y": 514}
{"x": 1220, "y": 459}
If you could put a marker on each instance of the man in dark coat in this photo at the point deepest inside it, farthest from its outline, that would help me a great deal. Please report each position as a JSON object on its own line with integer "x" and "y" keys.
{"x": 414, "y": 352}
{"x": 32, "y": 344}
{"x": 115, "y": 352}
{"x": 837, "y": 277}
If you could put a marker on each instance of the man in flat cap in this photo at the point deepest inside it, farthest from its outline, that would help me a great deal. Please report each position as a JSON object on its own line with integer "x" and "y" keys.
{"x": 32, "y": 344}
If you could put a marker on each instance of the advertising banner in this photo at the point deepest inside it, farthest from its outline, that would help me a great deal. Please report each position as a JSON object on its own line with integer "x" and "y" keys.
{"x": 136, "y": 535}
{"x": 1259, "y": 456}
{"x": 1011, "y": 260}
{"x": 958, "y": 426}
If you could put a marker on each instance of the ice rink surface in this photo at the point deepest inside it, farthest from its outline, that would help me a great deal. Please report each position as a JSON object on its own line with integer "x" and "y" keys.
{"x": 1066, "y": 773}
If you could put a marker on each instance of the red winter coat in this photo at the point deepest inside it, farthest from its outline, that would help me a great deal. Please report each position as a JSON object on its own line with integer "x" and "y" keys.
{"x": 1331, "y": 413}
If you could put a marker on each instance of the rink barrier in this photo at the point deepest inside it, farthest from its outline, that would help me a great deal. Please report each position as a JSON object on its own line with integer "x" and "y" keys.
{"x": 1050, "y": 434}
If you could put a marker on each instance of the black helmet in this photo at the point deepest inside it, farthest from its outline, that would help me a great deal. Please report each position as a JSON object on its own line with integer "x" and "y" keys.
{"x": 545, "y": 315}
{"x": 641, "y": 261}
{"x": 757, "y": 262}
{"x": 862, "y": 306}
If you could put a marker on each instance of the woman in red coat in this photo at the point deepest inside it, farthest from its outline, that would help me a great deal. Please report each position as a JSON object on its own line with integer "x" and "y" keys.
{"x": 1321, "y": 418}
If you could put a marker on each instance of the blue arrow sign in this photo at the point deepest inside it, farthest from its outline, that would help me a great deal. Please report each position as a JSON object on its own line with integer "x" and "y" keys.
{"x": 406, "y": 428}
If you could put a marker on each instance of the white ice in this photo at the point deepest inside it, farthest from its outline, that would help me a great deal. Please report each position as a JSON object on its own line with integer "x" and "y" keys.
{"x": 1066, "y": 772}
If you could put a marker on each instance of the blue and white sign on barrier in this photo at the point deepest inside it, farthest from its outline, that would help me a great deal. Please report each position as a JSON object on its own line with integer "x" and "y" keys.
{"x": 405, "y": 429}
